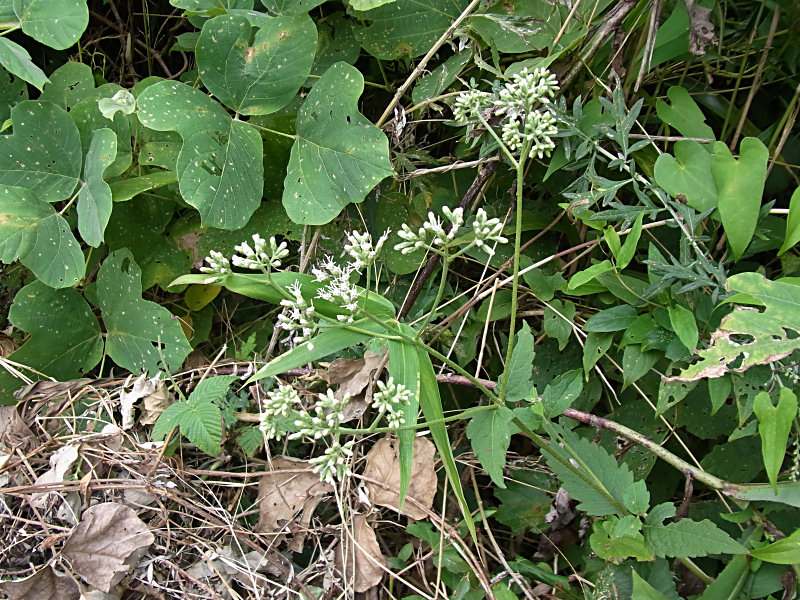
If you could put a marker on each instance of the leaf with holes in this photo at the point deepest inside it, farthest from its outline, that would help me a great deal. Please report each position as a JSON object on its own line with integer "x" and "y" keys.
{"x": 220, "y": 167}
{"x": 338, "y": 156}
{"x": 44, "y": 152}
{"x": 55, "y": 23}
{"x": 94, "y": 200}
{"x": 142, "y": 336}
{"x": 258, "y": 77}
{"x": 32, "y": 232}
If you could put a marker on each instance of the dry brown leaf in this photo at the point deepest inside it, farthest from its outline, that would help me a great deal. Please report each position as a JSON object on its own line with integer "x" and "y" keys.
{"x": 45, "y": 583}
{"x": 363, "y": 568}
{"x": 7, "y": 345}
{"x": 14, "y": 432}
{"x": 143, "y": 387}
{"x": 353, "y": 376}
{"x": 701, "y": 29}
{"x": 60, "y": 462}
{"x": 46, "y": 391}
{"x": 108, "y": 538}
{"x": 290, "y": 488}
{"x": 383, "y": 464}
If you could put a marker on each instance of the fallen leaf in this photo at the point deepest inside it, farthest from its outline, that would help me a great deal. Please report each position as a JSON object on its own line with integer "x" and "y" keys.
{"x": 365, "y": 567}
{"x": 383, "y": 464}
{"x": 141, "y": 388}
{"x": 45, "y": 583}
{"x": 353, "y": 376}
{"x": 291, "y": 487}
{"x": 45, "y": 390}
{"x": 109, "y": 537}
{"x": 7, "y": 345}
{"x": 14, "y": 432}
{"x": 701, "y": 29}
{"x": 230, "y": 563}
{"x": 60, "y": 462}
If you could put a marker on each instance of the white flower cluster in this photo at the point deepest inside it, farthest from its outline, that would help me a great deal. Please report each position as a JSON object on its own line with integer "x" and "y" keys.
{"x": 389, "y": 400}
{"x": 333, "y": 464}
{"x": 324, "y": 421}
{"x": 257, "y": 258}
{"x": 524, "y": 125}
{"x": 337, "y": 286}
{"x": 218, "y": 267}
{"x": 432, "y": 235}
{"x": 359, "y": 247}
{"x": 277, "y": 411}
{"x": 298, "y": 315}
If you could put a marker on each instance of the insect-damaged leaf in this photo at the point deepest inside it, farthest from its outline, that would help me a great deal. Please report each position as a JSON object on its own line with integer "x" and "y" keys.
{"x": 220, "y": 167}
{"x": 260, "y": 77}
{"x": 94, "y": 200}
{"x": 338, "y": 156}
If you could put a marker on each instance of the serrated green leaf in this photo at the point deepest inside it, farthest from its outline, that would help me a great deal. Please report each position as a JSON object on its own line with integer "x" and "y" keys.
{"x": 32, "y": 232}
{"x": 44, "y": 152}
{"x": 55, "y": 23}
{"x": 18, "y": 62}
{"x": 774, "y": 425}
{"x": 490, "y": 434}
{"x": 611, "y": 319}
{"x": 404, "y": 369}
{"x": 250, "y": 440}
{"x": 683, "y": 114}
{"x": 740, "y": 186}
{"x": 407, "y": 28}
{"x": 65, "y": 340}
{"x": 211, "y": 389}
{"x": 558, "y": 321}
{"x": 636, "y": 498}
{"x": 782, "y": 552}
{"x": 689, "y": 174}
{"x": 617, "y": 539}
{"x": 767, "y": 332}
{"x": 792, "y": 223}
{"x": 256, "y": 75}
{"x": 339, "y": 156}
{"x": 560, "y": 393}
{"x": 520, "y": 368}
{"x": 595, "y": 480}
{"x": 169, "y": 419}
{"x": 220, "y": 166}
{"x": 141, "y": 335}
{"x": 199, "y": 421}
{"x": 687, "y": 538}
{"x": 684, "y": 324}
{"x": 94, "y": 199}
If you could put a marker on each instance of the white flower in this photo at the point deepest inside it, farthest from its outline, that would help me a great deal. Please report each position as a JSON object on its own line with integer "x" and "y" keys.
{"x": 298, "y": 315}
{"x": 487, "y": 230}
{"x": 333, "y": 464}
{"x": 338, "y": 288}
{"x": 389, "y": 401}
{"x": 257, "y": 257}
{"x": 276, "y": 410}
{"x": 218, "y": 266}
{"x": 469, "y": 103}
{"x": 359, "y": 247}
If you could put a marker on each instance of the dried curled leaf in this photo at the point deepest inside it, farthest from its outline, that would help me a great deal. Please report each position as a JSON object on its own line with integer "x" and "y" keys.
{"x": 45, "y": 583}
{"x": 365, "y": 569}
{"x": 383, "y": 465}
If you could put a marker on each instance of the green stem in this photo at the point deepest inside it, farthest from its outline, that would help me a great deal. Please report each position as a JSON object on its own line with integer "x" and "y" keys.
{"x": 439, "y": 293}
{"x": 273, "y": 131}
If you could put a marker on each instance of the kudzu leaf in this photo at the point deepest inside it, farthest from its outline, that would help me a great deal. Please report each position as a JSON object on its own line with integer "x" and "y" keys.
{"x": 65, "y": 340}
{"x": 69, "y": 84}
{"x": 769, "y": 335}
{"x": 683, "y": 114}
{"x": 489, "y": 433}
{"x": 404, "y": 369}
{"x": 141, "y": 335}
{"x": 94, "y": 199}
{"x": 206, "y": 5}
{"x": 407, "y": 28}
{"x": 774, "y": 426}
{"x": 220, "y": 167}
{"x": 260, "y": 76}
{"x": 290, "y": 7}
{"x": 740, "y": 185}
{"x": 368, "y": 4}
{"x": 55, "y": 23}
{"x": 18, "y": 62}
{"x": 13, "y": 90}
{"x": 32, "y": 232}
{"x": 688, "y": 173}
{"x": 520, "y": 368}
{"x": 687, "y": 538}
{"x": 338, "y": 156}
{"x": 782, "y": 552}
{"x": 792, "y": 223}
{"x": 44, "y": 152}
{"x": 684, "y": 324}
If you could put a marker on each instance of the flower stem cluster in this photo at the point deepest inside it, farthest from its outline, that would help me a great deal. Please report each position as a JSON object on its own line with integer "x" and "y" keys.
{"x": 389, "y": 401}
{"x": 257, "y": 258}
{"x": 527, "y": 128}
{"x": 298, "y": 315}
{"x": 435, "y": 237}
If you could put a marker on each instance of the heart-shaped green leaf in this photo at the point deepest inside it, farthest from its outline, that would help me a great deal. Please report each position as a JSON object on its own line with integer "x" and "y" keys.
{"x": 258, "y": 77}
{"x": 220, "y": 168}
{"x": 683, "y": 114}
{"x": 94, "y": 200}
{"x": 33, "y": 232}
{"x": 55, "y": 23}
{"x": 740, "y": 185}
{"x": 688, "y": 173}
{"x": 290, "y": 7}
{"x": 44, "y": 152}
{"x": 339, "y": 156}
{"x": 142, "y": 336}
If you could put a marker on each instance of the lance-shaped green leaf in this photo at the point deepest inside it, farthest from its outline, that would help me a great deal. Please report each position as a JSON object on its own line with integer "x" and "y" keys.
{"x": 404, "y": 369}
{"x": 17, "y": 61}
{"x": 769, "y": 335}
{"x": 407, "y": 27}
{"x": 65, "y": 340}
{"x": 338, "y": 156}
{"x": 55, "y": 23}
{"x": 489, "y": 433}
{"x": 44, "y": 152}
{"x": 792, "y": 223}
{"x": 782, "y": 552}
{"x": 258, "y": 77}
{"x": 688, "y": 173}
{"x": 141, "y": 335}
{"x": 774, "y": 425}
{"x": 32, "y": 232}
{"x": 220, "y": 167}
{"x": 94, "y": 199}
{"x": 740, "y": 185}
{"x": 684, "y": 324}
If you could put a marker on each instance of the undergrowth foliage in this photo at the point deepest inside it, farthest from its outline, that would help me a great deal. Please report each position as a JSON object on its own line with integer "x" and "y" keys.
{"x": 558, "y": 242}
